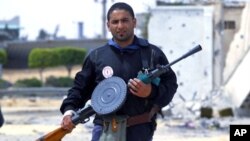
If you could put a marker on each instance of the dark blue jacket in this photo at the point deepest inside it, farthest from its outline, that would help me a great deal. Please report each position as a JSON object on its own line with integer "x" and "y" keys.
{"x": 126, "y": 63}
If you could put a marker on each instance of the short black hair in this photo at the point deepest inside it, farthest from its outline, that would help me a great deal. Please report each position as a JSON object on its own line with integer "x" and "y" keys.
{"x": 121, "y": 6}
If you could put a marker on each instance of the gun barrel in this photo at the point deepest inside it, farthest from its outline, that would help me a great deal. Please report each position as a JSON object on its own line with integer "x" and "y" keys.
{"x": 153, "y": 76}
{"x": 191, "y": 52}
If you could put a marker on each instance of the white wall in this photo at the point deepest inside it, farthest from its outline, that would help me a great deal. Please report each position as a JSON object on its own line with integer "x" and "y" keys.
{"x": 237, "y": 86}
{"x": 177, "y": 30}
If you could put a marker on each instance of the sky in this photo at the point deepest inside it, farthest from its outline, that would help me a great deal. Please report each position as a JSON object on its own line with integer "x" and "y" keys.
{"x": 47, "y": 14}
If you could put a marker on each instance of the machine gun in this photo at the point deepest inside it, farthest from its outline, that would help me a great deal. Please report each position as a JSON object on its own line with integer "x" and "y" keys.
{"x": 153, "y": 75}
{"x": 81, "y": 116}
{"x": 109, "y": 95}
{"x": 106, "y": 98}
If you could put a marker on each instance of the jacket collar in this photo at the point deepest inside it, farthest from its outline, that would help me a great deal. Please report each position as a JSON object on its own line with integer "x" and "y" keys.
{"x": 137, "y": 43}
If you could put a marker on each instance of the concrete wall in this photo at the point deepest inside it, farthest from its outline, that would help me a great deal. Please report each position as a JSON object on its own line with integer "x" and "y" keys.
{"x": 177, "y": 30}
{"x": 238, "y": 63}
{"x": 239, "y": 43}
{"x": 223, "y": 63}
{"x": 237, "y": 88}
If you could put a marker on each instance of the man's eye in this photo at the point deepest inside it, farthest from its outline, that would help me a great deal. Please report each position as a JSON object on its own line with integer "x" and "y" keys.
{"x": 125, "y": 20}
{"x": 114, "y": 22}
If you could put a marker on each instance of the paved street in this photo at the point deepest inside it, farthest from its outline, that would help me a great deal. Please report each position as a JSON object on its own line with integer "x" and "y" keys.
{"x": 24, "y": 122}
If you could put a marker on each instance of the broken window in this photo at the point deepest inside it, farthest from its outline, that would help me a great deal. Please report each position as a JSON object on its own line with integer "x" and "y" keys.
{"x": 229, "y": 25}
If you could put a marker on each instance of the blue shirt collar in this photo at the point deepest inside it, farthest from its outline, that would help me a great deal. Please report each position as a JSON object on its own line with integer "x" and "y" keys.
{"x": 135, "y": 45}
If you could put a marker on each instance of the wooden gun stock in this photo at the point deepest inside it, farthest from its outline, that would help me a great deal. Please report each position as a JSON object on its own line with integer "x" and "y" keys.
{"x": 81, "y": 116}
{"x": 55, "y": 135}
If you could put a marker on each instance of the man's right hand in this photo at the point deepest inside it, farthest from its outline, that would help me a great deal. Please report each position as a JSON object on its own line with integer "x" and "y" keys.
{"x": 67, "y": 123}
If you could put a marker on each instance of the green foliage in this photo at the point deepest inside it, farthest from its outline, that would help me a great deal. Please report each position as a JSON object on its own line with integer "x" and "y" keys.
{"x": 60, "y": 56}
{"x": 70, "y": 55}
{"x": 3, "y": 56}
{"x": 49, "y": 57}
{"x": 59, "y": 82}
{"x": 42, "y": 58}
{"x": 33, "y": 82}
{"x": 4, "y": 84}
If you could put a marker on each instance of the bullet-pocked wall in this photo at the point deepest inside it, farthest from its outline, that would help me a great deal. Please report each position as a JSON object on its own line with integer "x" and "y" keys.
{"x": 178, "y": 29}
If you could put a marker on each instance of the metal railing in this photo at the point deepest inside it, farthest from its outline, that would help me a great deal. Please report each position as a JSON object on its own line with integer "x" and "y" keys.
{"x": 41, "y": 92}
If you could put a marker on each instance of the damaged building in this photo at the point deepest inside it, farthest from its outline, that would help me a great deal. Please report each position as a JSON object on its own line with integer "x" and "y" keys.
{"x": 222, "y": 68}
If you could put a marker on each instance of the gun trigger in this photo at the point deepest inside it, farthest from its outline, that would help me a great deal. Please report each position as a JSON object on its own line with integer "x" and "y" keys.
{"x": 85, "y": 120}
{"x": 146, "y": 71}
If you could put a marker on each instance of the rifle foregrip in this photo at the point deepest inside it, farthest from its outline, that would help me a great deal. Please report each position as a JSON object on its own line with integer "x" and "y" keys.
{"x": 145, "y": 79}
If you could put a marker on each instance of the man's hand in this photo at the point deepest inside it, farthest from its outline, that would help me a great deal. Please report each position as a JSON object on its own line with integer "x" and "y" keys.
{"x": 67, "y": 123}
{"x": 138, "y": 88}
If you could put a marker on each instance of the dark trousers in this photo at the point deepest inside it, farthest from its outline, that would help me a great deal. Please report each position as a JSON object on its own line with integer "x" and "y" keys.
{"x": 142, "y": 132}
{"x": 96, "y": 132}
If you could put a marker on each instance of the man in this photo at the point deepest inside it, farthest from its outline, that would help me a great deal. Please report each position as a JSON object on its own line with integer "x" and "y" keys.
{"x": 124, "y": 56}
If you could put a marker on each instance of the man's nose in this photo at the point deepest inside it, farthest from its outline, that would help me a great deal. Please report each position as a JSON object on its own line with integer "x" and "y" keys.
{"x": 120, "y": 24}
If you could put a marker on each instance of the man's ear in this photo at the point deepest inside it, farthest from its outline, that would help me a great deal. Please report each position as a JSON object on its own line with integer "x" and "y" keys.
{"x": 108, "y": 26}
{"x": 134, "y": 21}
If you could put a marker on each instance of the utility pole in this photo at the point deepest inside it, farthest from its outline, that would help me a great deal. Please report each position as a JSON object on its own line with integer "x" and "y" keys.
{"x": 104, "y": 11}
{"x": 104, "y": 32}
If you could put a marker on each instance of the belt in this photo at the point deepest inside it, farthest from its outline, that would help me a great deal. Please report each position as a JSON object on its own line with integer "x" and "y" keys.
{"x": 142, "y": 118}
{"x": 139, "y": 119}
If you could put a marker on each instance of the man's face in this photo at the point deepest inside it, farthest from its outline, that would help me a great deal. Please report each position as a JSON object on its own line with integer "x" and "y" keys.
{"x": 121, "y": 25}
